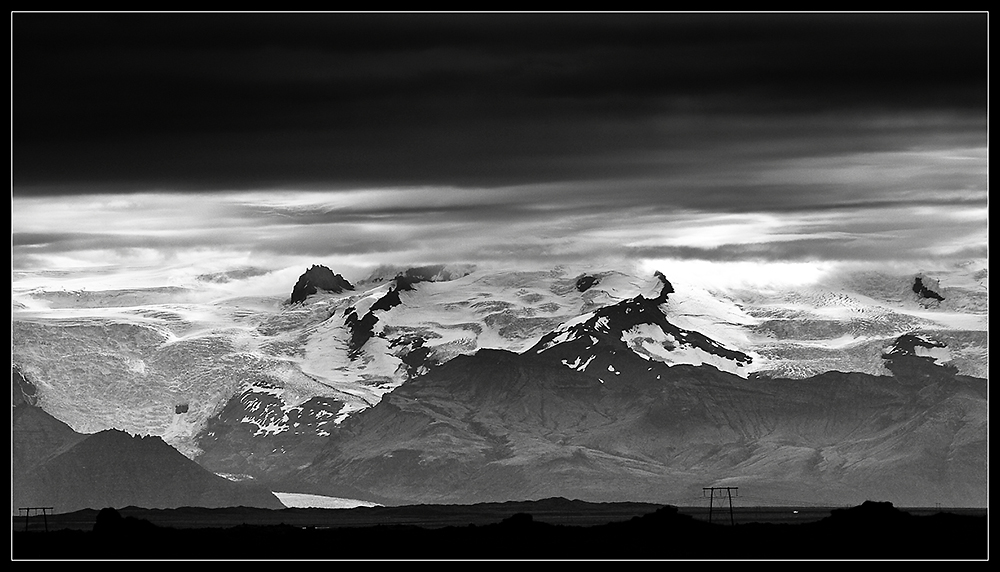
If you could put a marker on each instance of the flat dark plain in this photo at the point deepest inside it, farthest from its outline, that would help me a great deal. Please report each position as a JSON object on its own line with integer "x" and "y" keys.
{"x": 564, "y": 530}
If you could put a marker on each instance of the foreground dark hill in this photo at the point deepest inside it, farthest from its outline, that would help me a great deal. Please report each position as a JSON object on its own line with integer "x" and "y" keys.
{"x": 498, "y": 426}
{"x": 53, "y": 466}
{"x": 872, "y": 530}
{"x": 37, "y": 436}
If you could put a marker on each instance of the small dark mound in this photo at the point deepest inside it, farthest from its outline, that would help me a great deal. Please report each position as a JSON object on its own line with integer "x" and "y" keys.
{"x": 925, "y": 292}
{"x": 318, "y": 278}
{"x": 583, "y": 283}
{"x": 667, "y": 289}
{"x": 518, "y": 520}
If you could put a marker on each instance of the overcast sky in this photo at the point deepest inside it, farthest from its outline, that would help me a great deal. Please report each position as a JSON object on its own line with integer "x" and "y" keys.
{"x": 268, "y": 140}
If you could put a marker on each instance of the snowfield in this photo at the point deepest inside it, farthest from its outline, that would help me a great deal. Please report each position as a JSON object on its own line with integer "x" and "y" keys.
{"x": 302, "y": 500}
{"x": 164, "y": 360}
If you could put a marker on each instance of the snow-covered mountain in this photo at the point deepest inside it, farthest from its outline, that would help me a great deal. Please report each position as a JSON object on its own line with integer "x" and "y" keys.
{"x": 637, "y": 325}
{"x": 220, "y": 377}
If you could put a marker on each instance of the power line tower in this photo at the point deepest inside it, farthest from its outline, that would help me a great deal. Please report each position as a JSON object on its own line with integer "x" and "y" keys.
{"x": 42, "y": 510}
{"x": 721, "y": 492}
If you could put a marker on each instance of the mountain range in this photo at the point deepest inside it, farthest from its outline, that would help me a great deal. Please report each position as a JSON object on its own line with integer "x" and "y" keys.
{"x": 454, "y": 384}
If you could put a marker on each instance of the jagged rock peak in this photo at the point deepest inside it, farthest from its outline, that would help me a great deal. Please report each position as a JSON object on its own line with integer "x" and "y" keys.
{"x": 318, "y": 278}
{"x": 667, "y": 289}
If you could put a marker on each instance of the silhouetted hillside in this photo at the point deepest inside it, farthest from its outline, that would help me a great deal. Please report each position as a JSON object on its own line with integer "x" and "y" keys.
{"x": 873, "y": 530}
{"x": 54, "y": 466}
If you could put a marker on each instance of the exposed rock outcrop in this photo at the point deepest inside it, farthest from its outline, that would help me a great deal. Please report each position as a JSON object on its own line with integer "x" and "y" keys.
{"x": 584, "y": 282}
{"x": 927, "y": 289}
{"x": 916, "y": 358}
{"x": 318, "y": 278}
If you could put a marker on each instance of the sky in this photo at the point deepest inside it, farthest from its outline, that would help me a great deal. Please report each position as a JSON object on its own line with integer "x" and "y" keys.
{"x": 165, "y": 146}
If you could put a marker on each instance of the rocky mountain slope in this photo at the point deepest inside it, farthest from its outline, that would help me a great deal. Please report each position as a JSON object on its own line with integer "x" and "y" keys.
{"x": 53, "y": 466}
{"x": 498, "y": 425}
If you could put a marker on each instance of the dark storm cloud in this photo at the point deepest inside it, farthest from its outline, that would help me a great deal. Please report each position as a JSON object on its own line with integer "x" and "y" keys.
{"x": 221, "y": 102}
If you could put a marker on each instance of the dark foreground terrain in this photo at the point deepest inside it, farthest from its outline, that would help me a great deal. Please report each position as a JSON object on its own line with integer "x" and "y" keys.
{"x": 872, "y": 530}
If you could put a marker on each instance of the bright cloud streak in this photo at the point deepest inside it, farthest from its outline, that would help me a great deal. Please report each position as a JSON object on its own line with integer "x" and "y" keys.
{"x": 213, "y": 232}
{"x": 723, "y": 275}
{"x": 729, "y": 138}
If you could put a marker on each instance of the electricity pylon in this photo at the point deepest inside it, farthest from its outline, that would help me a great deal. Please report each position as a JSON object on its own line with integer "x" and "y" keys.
{"x": 711, "y": 500}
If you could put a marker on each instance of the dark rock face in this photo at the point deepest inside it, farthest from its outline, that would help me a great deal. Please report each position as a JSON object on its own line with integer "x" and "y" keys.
{"x": 907, "y": 365}
{"x": 583, "y": 283}
{"x": 667, "y": 289}
{"x": 417, "y": 357}
{"x": 259, "y": 435}
{"x": 389, "y": 301}
{"x": 923, "y": 291}
{"x": 318, "y": 278}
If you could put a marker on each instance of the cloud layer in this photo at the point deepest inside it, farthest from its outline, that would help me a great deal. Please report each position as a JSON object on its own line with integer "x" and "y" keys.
{"x": 223, "y": 140}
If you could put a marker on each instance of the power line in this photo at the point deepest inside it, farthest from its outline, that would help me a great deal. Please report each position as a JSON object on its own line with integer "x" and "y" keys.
{"x": 43, "y": 510}
{"x": 711, "y": 500}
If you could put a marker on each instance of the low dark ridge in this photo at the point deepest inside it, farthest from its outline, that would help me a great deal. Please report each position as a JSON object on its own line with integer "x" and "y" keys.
{"x": 667, "y": 289}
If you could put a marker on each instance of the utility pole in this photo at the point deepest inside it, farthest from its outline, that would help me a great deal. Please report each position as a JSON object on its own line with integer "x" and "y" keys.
{"x": 710, "y": 492}
{"x": 43, "y": 510}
